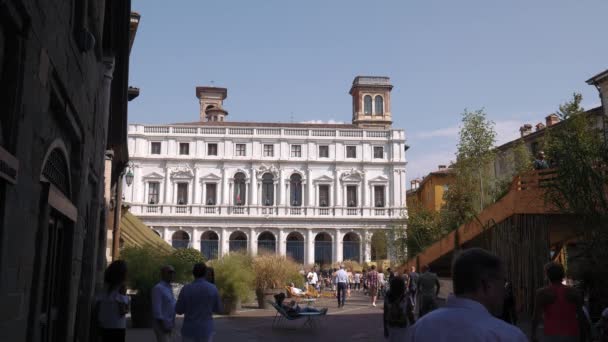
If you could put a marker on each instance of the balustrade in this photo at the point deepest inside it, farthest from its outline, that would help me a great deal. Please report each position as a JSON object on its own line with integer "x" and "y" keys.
{"x": 202, "y": 210}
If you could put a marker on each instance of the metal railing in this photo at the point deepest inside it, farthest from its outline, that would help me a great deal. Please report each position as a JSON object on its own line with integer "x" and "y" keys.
{"x": 267, "y": 246}
{"x": 237, "y": 246}
{"x": 210, "y": 249}
{"x": 295, "y": 250}
{"x": 351, "y": 250}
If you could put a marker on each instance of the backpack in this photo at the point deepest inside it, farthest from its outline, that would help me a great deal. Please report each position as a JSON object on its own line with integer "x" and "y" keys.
{"x": 396, "y": 315}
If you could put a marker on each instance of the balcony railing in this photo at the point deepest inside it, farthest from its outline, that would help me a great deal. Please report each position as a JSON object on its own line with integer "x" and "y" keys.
{"x": 261, "y": 211}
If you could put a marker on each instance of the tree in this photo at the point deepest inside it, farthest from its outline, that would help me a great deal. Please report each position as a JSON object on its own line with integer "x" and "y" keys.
{"x": 576, "y": 148}
{"x": 467, "y": 196}
{"x": 423, "y": 229}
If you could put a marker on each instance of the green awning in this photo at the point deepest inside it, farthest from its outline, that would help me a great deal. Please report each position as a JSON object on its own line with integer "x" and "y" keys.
{"x": 136, "y": 233}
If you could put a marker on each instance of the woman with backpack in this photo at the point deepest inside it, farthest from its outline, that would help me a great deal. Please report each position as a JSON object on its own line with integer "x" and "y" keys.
{"x": 398, "y": 311}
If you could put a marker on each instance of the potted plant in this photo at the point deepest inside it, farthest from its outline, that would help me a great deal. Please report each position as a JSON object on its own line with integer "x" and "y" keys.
{"x": 144, "y": 264}
{"x": 272, "y": 274}
{"x": 234, "y": 279}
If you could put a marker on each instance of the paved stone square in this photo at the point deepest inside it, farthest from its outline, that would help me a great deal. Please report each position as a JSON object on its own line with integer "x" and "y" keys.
{"x": 357, "y": 321}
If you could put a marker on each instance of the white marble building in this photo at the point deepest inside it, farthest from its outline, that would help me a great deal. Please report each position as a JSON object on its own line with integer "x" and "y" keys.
{"x": 315, "y": 192}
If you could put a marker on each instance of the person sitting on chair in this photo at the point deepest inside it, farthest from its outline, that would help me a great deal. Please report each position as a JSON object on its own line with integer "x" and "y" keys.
{"x": 292, "y": 308}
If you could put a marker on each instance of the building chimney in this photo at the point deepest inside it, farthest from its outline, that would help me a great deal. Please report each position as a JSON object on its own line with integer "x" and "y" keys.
{"x": 441, "y": 167}
{"x": 551, "y": 119}
{"x": 540, "y": 126}
{"x": 525, "y": 130}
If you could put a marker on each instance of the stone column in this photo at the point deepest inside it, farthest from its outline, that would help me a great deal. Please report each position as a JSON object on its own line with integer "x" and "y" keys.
{"x": 138, "y": 185}
{"x": 195, "y": 239}
{"x": 282, "y": 243}
{"x": 367, "y": 249}
{"x": 365, "y": 201}
{"x": 167, "y": 192}
{"x": 195, "y": 198}
{"x": 309, "y": 190}
{"x": 338, "y": 255}
{"x": 254, "y": 188}
{"x": 166, "y": 235}
{"x": 281, "y": 187}
{"x": 253, "y": 242}
{"x": 224, "y": 191}
{"x": 224, "y": 242}
{"x": 310, "y": 247}
{"x": 337, "y": 190}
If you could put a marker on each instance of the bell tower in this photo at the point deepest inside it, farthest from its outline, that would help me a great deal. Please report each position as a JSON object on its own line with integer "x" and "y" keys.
{"x": 211, "y": 100}
{"x": 372, "y": 102}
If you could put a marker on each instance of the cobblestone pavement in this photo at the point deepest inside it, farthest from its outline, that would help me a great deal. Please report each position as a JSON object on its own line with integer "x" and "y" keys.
{"x": 357, "y": 321}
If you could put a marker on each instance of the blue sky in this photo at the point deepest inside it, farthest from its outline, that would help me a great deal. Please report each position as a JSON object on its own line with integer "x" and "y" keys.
{"x": 295, "y": 60}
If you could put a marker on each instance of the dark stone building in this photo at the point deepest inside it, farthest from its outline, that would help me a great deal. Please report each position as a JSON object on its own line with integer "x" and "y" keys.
{"x": 64, "y": 79}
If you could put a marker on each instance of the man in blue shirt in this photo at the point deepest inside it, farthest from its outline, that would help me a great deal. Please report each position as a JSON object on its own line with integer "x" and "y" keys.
{"x": 163, "y": 305}
{"x": 341, "y": 285}
{"x": 197, "y": 302}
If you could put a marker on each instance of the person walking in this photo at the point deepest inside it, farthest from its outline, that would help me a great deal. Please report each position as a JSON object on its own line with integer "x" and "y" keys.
{"x": 559, "y": 306}
{"x": 381, "y": 283}
{"x": 372, "y": 284}
{"x": 398, "y": 311}
{"x": 428, "y": 286}
{"x": 412, "y": 286}
{"x": 112, "y": 304}
{"x": 478, "y": 279}
{"x": 163, "y": 305}
{"x": 357, "y": 280}
{"x": 313, "y": 278}
{"x": 341, "y": 286}
{"x": 198, "y": 301}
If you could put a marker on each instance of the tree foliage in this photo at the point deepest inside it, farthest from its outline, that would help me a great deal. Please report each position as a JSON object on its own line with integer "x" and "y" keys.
{"x": 473, "y": 180}
{"x": 423, "y": 229}
{"x": 577, "y": 149}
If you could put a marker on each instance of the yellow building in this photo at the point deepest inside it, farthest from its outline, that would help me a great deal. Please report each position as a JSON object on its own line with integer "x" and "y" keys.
{"x": 428, "y": 192}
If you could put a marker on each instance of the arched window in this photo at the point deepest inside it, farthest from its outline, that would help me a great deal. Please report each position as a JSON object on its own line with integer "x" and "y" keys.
{"x": 180, "y": 239}
{"x": 379, "y": 102}
{"x": 240, "y": 189}
{"x": 267, "y": 189}
{"x": 367, "y": 105}
{"x": 296, "y": 190}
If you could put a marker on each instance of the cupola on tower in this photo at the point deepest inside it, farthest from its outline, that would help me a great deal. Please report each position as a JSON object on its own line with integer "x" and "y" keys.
{"x": 372, "y": 102}
{"x": 211, "y": 100}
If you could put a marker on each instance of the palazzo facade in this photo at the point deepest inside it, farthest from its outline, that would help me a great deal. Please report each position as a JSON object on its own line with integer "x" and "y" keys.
{"x": 313, "y": 192}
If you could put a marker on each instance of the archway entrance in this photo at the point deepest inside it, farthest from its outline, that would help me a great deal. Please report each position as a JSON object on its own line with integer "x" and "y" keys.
{"x": 237, "y": 242}
{"x": 379, "y": 246}
{"x": 295, "y": 247}
{"x": 180, "y": 239}
{"x": 210, "y": 245}
{"x": 351, "y": 249}
{"x": 323, "y": 254}
{"x": 267, "y": 243}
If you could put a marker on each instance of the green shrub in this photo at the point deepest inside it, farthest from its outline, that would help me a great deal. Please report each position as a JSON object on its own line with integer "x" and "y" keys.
{"x": 182, "y": 260}
{"x": 143, "y": 264}
{"x": 274, "y": 271}
{"x": 234, "y": 276}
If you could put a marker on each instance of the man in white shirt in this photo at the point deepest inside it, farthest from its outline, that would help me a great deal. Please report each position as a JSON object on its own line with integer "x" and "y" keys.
{"x": 163, "y": 305}
{"x": 341, "y": 285}
{"x": 313, "y": 278}
{"x": 478, "y": 278}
